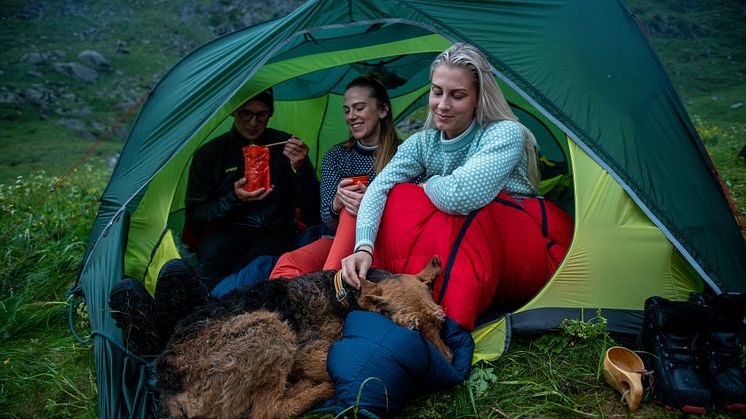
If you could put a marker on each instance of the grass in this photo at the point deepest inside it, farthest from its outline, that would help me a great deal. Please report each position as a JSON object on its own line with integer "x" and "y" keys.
{"x": 724, "y": 142}
{"x": 37, "y": 146}
{"x": 45, "y": 373}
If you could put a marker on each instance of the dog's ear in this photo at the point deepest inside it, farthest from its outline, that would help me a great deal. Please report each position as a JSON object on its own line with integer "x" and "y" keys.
{"x": 431, "y": 271}
{"x": 371, "y": 296}
{"x": 369, "y": 288}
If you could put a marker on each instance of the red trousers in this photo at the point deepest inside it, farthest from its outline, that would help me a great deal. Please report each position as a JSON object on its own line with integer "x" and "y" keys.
{"x": 324, "y": 253}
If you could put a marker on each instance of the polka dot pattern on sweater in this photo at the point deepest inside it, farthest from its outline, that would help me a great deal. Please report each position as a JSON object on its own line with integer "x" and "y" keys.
{"x": 340, "y": 162}
{"x": 462, "y": 174}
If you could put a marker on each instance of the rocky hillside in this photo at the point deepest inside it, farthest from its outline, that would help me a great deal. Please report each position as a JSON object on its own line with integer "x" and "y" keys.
{"x": 69, "y": 69}
{"x": 71, "y": 59}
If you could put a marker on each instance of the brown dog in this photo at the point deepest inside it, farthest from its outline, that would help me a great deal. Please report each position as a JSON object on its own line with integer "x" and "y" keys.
{"x": 261, "y": 351}
{"x": 408, "y": 301}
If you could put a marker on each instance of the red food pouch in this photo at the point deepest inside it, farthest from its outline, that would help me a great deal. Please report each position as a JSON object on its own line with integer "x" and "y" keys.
{"x": 256, "y": 167}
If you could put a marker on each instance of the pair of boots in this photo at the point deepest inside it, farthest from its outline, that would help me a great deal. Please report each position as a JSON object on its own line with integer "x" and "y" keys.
{"x": 148, "y": 321}
{"x": 694, "y": 348}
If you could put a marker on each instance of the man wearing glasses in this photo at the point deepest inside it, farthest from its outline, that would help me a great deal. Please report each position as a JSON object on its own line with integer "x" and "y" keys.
{"x": 241, "y": 225}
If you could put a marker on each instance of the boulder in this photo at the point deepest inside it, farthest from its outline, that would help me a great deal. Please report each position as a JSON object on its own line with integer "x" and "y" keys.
{"x": 93, "y": 58}
{"x": 77, "y": 71}
{"x": 73, "y": 124}
{"x": 84, "y": 111}
{"x": 39, "y": 95}
{"x": 34, "y": 58}
{"x": 9, "y": 97}
{"x": 122, "y": 47}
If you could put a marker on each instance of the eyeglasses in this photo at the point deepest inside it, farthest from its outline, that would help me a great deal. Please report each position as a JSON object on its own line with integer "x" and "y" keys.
{"x": 247, "y": 116}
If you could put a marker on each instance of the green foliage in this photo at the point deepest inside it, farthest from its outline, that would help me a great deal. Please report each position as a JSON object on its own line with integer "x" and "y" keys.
{"x": 44, "y": 232}
{"x": 573, "y": 331}
{"x": 481, "y": 379}
{"x": 724, "y": 143}
{"x": 455, "y": 403}
{"x": 47, "y": 377}
{"x": 83, "y": 320}
{"x": 44, "y": 372}
{"x": 532, "y": 383}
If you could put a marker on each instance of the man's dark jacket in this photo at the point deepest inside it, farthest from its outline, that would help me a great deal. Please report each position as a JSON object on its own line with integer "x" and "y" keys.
{"x": 212, "y": 205}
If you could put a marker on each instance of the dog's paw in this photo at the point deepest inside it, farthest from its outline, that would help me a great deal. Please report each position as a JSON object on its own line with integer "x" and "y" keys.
{"x": 439, "y": 313}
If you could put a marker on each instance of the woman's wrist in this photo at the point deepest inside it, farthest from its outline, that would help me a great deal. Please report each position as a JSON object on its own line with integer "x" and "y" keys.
{"x": 367, "y": 250}
{"x": 336, "y": 206}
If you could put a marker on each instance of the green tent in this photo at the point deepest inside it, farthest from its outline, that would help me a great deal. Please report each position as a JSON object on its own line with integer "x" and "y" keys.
{"x": 651, "y": 217}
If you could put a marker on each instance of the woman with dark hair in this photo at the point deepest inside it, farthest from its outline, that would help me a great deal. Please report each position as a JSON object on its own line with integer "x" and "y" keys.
{"x": 345, "y": 172}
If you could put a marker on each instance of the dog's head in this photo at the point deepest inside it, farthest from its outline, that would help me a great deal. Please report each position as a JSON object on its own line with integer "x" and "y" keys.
{"x": 406, "y": 299}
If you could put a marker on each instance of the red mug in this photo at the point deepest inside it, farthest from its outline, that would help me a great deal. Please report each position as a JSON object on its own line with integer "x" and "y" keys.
{"x": 358, "y": 179}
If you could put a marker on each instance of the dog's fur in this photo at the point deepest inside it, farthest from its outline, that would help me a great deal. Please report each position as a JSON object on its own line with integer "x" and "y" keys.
{"x": 261, "y": 351}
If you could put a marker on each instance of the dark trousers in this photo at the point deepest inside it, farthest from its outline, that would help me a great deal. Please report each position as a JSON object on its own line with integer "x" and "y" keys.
{"x": 225, "y": 252}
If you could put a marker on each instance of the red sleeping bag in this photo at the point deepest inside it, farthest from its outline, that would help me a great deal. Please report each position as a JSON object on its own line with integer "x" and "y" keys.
{"x": 500, "y": 254}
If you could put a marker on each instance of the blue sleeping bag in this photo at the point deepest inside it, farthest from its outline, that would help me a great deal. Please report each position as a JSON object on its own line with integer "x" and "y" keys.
{"x": 388, "y": 365}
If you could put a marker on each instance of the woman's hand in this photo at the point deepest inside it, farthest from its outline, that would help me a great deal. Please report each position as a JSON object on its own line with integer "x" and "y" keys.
{"x": 348, "y": 196}
{"x": 355, "y": 267}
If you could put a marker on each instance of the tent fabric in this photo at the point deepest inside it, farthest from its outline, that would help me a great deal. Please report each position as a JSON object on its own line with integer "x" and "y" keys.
{"x": 597, "y": 64}
{"x": 582, "y": 69}
{"x": 610, "y": 233}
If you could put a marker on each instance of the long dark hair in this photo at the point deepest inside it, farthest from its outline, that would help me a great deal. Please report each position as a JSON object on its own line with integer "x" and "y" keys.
{"x": 389, "y": 140}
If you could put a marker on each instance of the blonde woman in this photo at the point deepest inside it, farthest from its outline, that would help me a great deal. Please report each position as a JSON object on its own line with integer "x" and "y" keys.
{"x": 471, "y": 151}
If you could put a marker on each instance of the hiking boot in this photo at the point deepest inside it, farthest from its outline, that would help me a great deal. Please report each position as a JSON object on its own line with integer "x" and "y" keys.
{"x": 131, "y": 309}
{"x": 672, "y": 334}
{"x": 723, "y": 347}
{"x": 177, "y": 293}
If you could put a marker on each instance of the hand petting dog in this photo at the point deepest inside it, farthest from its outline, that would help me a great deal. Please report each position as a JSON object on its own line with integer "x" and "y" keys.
{"x": 355, "y": 267}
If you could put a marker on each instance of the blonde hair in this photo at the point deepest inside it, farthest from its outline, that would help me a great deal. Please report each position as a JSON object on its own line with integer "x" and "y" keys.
{"x": 492, "y": 105}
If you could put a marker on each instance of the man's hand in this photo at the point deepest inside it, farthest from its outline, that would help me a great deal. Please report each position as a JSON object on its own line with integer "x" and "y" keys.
{"x": 252, "y": 196}
{"x": 296, "y": 151}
